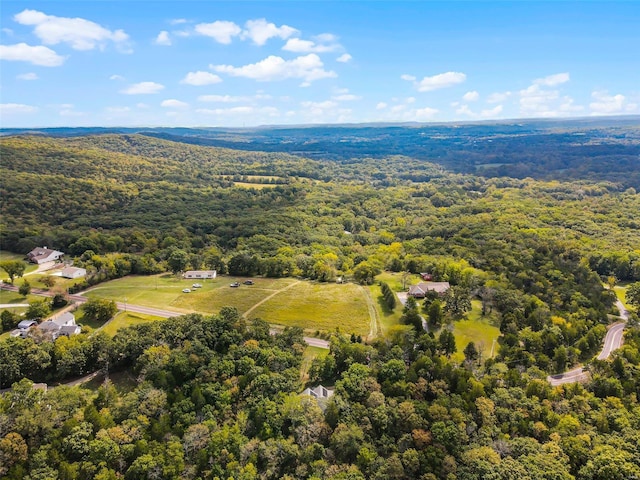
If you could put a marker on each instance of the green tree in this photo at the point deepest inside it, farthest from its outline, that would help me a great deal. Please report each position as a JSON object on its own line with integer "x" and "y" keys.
{"x": 25, "y": 288}
{"x": 37, "y": 309}
{"x": 178, "y": 261}
{"x": 9, "y": 320}
{"x": 365, "y": 272}
{"x": 457, "y": 301}
{"x": 447, "y": 342}
{"x": 435, "y": 313}
{"x": 410, "y": 314}
{"x": 14, "y": 268}
{"x": 633, "y": 294}
{"x": 471, "y": 352}
{"x": 99, "y": 310}
{"x": 48, "y": 281}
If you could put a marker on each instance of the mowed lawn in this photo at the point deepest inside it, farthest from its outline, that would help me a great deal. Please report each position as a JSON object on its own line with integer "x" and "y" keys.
{"x": 621, "y": 293}
{"x": 127, "y": 319}
{"x": 165, "y": 292}
{"x": 318, "y": 306}
{"x": 4, "y": 255}
{"x": 477, "y": 329}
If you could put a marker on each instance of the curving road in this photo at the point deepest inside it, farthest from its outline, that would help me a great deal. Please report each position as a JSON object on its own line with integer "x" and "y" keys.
{"x": 612, "y": 341}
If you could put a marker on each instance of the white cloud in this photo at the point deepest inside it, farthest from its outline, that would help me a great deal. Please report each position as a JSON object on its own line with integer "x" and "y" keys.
{"x": 306, "y": 46}
{"x": 323, "y": 105}
{"x": 223, "y": 98}
{"x": 16, "y": 108}
{"x": 242, "y": 110}
{"x": 116, "y": 77}
{"x": 173, "y": 103}
{"x": 142, "y": 105}
{"x": 163, "y": 38}
{"x": 143, "y": 88}
{"x": 260, "y": 31}
{"x": 471, "y": 96}
{"x": 178, "y": 21}
{"x": 79, "y": 33}
{"x": 27, "y": 76}
{"x": 442, "y": 80}
{"x": 346, "y": 97}
{"x": 39, "y": 55}
{"x": 498, "y": 97}
{"x": 200, "y": 78}
{"x": 425, "y": 113}
{"x": 606, "y": 104}
{"x": 552, "y": 80}
{"x": 70, "y": 112}
{"x": 221, "y": 31}
{"x": 7, "y": 31}
{"x": 408, "y": 78}
{"x": 492, "y": 112}
{"x": 117, "y": 109}
{"x": 410, "y": 100}
{"x": 381, "y": 106}
{"x": 344, "y": 58}
{"x": 537, "y": 101}
{"x": 307, "y": 68}
{"x": 465, "y": 110}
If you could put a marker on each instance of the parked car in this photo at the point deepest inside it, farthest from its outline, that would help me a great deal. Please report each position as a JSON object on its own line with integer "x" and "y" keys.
{"x": 186, "y": 290}
{"x": 235, "y": 284}
{"x": 248, "y": 282}
{"x": 196, "y": 285}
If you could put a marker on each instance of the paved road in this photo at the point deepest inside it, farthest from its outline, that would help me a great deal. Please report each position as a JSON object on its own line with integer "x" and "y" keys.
{"x": 612, "y": 341}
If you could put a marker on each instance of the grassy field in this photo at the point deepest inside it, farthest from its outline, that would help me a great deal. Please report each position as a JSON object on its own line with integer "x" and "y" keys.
{"x": 127, "y": 319}
{"x": 620, "y": 291}
{"x": 477, "y": 329}
{"x": 317, "y": 306}
{"x": 4, "y": 255}
{"x": 257, "y": 186}
{"x": 312, "y": 306}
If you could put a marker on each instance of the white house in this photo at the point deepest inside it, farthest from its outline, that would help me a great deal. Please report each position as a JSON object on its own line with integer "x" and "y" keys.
{"x": 318, "y": 392}
{"x": 200, "y": 274}
{"x": 64, "y": 324}
{"x": 43, "y": 255}
{"x": 421, "y": 290}
{"x": 73, "y": 272}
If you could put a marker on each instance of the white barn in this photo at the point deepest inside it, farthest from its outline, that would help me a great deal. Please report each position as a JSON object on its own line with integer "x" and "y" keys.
{"x": 199, "y": 274}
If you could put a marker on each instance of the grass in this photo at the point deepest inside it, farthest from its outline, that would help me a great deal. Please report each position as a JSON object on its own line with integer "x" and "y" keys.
{"x": 387, "y": 317}
{"x": 4, "y": 255}
{"x": 127, "y": 319}
{"x": 309, "y": 354}
{"x": 317, "y": 306}
{"x": 477, "y": 329}
{"x": 257, "y": 186}
{"x": 62, "y": 284}
{"x": 621, "y": 291}
{"x": 165, "y": 291}
{"x": 313, "y": 306}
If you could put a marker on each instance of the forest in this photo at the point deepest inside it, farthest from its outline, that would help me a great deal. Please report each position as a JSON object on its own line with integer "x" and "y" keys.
{"x": 532, "y": 220}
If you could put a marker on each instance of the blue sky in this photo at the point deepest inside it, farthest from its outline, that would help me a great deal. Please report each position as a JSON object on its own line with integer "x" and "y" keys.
{"x": 207, "y": 63}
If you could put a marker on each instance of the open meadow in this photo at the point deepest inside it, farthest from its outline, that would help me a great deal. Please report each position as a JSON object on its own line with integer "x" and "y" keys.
{"x": 286, "y": 301}
{"x": 482, "y": 331}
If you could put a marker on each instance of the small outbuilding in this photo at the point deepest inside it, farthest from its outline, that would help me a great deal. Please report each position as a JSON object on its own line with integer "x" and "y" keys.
{"x": 200, "y": 274}
{"x": 73, "y": 272}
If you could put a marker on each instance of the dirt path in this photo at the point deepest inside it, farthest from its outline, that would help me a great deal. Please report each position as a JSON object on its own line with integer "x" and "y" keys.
{"x": 246, "y": 314}
{"x": 375, "y": 326}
